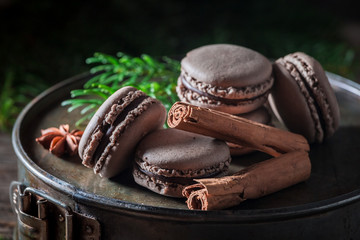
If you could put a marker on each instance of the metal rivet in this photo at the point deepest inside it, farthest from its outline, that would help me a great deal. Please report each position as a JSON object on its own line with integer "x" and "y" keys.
{"x": 15, "y": 198}
{"x": 61, "y": 218}
{"x": 88, "y": 229}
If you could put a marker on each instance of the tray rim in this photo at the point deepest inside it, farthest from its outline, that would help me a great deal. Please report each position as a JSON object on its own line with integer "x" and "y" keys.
{"x": 236, "y": 215}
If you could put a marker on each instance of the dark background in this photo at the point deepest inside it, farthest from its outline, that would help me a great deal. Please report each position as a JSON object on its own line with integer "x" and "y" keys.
{"x": 43, "y": 42}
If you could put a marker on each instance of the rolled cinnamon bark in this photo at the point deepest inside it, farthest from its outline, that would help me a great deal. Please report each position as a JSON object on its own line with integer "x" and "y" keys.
{"x": 230, "y": 128}
{"x": 253, "y": 182}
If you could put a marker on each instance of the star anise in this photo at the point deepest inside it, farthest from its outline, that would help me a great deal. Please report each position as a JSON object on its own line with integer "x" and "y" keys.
{"x": 60, "y": 141}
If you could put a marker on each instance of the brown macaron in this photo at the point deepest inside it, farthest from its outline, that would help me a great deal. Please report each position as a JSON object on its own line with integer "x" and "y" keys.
{"x": 110, "y": 138}
{"x": 225, "y": 77}
{"x": 303, "y": 99}
{"x": 167, "y": 160}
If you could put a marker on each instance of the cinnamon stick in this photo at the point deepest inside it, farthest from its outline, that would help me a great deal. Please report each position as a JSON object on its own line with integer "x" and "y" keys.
{"x": 253, "y": 182}
{"x": 230, "y": 128}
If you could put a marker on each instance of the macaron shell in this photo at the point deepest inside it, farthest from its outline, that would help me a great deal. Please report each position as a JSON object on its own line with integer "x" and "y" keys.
{"x": 121, "y": 155}
{"x": 171, "y": 153}
{"x": 260, "y": 115}
{"x": 99, "y": 116}
{"x": 242, "y": 107}
{"x": 160, "y": 187}
{"x": 329, "y": 94}
{"x": 180, "y": 150}
{"x": 234, "y": 66}
{"x": 317, "y": 93}
{"x": 169, "y": 189}
{"x": 291, "y": 104}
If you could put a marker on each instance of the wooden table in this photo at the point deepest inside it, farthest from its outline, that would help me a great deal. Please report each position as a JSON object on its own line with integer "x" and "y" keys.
{"x": 8, "y": 173}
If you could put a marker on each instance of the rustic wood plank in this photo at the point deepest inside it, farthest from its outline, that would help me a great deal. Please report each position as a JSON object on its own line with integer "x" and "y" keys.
{"x": 8, "y": 173}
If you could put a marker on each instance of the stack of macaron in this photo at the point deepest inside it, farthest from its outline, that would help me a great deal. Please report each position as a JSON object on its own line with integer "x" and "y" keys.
{"x": 238, "y": 80}
{"x": 227, "y": 78}
{"x": 127, "y": 130}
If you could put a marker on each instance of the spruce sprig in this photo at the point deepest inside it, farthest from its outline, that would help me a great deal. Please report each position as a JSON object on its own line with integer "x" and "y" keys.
{"x": 156, "y": 78}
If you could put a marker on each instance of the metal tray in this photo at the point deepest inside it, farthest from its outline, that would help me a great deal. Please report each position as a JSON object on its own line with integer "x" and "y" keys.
{"x": 325, "y": 205}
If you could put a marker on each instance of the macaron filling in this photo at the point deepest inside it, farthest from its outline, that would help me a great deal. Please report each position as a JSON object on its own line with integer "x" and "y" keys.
{"x": 170, "y": 182}
{"x": 120, "y": 115}
{"x": 229, "y": 92}
{"x": 178, "y": 180}
{"x": 314, "y": 95}
{"x": 312, "y": 83}
{"x": 119, "y": 129}
{"x": 191, "y": 88}
{"x": 108, "y": 129}
{"x": 192, "y": 173}
{"x": 167, "y": 160}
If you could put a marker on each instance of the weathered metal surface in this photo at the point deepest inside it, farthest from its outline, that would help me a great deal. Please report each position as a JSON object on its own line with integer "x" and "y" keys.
{"x": 41, "y": 216}
{"x": 327, "y": 205}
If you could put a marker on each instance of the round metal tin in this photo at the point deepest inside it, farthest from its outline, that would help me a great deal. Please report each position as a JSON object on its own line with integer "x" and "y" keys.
{"x": 325, "y": 206}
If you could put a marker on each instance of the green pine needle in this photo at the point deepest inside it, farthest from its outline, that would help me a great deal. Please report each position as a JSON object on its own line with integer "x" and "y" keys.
{"x": 157, "y": 79}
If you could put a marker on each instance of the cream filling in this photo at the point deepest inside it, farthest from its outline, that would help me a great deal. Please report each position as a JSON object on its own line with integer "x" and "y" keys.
{"x": 186, "y": 95}
{"x": 109, "y": 118}
{"x": 165, "y": 188}
{"x": 309, "y": 75}
{"x": 120, "y": 128}
{"x": 187, "y": 173}
{"x": 319, "y": 133}
{"x": 246, "y": 92}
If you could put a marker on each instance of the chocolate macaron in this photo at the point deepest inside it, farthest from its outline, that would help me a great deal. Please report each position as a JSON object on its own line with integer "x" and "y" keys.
{"x": 168, "y": 160}
{"x": 225, "y": 77}
{"x": 303, "y": 99}
{"x": 110, "y": 138}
